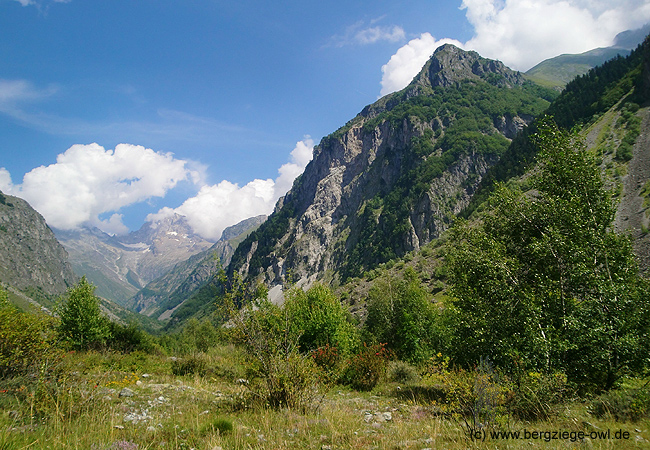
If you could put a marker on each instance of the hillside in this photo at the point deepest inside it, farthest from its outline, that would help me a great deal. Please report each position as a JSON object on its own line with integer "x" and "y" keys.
{"x": 31, "y": 259}
{"x": 395, "y": 176}
{"x": 558, "y": 71}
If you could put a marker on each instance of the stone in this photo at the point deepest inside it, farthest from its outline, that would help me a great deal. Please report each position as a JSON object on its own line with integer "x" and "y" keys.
{"x": 126, "y": 392}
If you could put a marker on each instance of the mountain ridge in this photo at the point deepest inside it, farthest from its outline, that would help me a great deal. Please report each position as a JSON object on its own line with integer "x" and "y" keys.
{"x": 426, "y": 146}
{"x": 31, "y": 258}
{"x": 122, "y": 265}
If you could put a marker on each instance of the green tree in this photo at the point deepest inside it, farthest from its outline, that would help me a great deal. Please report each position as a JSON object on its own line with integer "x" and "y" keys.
{"x": 318, "y": 317}
{"x": 544, "y": 280}
{"x": 82, "y": 324}
{"x": 400, "y": 314}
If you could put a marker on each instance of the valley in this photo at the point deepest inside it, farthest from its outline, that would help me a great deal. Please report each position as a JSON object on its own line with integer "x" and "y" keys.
{"x": 467, "y": 257}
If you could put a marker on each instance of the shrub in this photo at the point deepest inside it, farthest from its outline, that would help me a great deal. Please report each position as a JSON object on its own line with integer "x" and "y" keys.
{"x": 128, "y": 338}
{"x": 287, "y": 381}
{"x": 282, "y": 376}
{"x": 622, "y": 404}
{"x": 190, "y": 365}
{"x": 402, "y": 372}
{"x": 368, "y": 367}
{"x": 82, "y": 324}
{"x": 536, "y": 396}
{"x": 400, "y": 314}
{"x": 221, "y": 426}
{"x": 319, "y": 318}
{"x": 26, "y": 341}
{"x": 327, "y": 358}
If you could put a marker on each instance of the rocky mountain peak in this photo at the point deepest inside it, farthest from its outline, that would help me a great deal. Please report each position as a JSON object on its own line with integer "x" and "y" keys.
{"x": 449, "y": 65}
{"x": 172, "y": 226}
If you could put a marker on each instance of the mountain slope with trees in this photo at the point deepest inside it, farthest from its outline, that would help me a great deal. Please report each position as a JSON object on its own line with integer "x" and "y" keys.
{"x": 395, "y": 176}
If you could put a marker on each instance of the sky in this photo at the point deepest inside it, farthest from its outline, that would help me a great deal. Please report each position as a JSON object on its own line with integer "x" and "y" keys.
{"x": 113, "y": 113}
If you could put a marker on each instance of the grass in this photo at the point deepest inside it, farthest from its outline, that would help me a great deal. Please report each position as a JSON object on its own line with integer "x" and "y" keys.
{"x": 209, "y": 412}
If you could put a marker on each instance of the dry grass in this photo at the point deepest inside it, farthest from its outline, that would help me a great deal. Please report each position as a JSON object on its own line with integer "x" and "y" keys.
{"x": 209, "y": 412}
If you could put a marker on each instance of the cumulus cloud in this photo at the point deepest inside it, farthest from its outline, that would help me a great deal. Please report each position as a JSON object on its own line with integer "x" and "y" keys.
{"x": 6, "y": 184}
{"x": 408, "y": 61}
{"x": 88, "y": 181}
{"x": 522, "y": 33}
{"x": 222, "y": 205}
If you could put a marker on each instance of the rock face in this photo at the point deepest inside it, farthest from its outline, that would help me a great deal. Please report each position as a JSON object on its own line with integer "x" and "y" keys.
{"x": 122, "y": 265}
{"x": 167, "y": 292}
{"x": 394, "y": 177}
{"x": 450, "y": 65}
{"x": 31, "y": 259}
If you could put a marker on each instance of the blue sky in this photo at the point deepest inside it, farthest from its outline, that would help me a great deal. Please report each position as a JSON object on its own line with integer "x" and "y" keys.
{"x": 115, "y": 112}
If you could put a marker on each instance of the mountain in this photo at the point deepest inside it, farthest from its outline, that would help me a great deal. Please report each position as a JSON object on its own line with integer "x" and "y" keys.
{"x": 122, "y": 265}
{"x": 395, "y": 176}
{"x": 558, "y": 71}
{"x": 162, "y": 296}
{"x": 31, "y": 259}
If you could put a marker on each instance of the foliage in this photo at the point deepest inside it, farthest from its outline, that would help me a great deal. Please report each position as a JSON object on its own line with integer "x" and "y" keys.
{"x": 220, "y": 426}
{"x": 537, "y": 396}
{"x": 128, "y": 338}
{"x": 320, "y": 319}
{"x": 283, "y": 377}
{"x": 402, "y": 372}
{"x": 598, "y": 90}
{"x": 82, "y": 324}
{"x": 632, "y": 124}
{"x": 27, "y": 340}
{"x": 368, "y": 367}
{"x": 460, "y": 122}
{"x": 623, "y": 404}
{"x": 581, "y": 100}
{"x": 401, "y": 315}
{"x": 189, "y": 365}
{"x": 329, "y": 360}
{"x": 544, "y": 279}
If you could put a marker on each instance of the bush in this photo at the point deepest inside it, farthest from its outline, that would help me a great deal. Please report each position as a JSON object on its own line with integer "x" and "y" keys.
{"x": 402, "y": 372}
{"x": 622, "y": 404}
{"x": 281, "y": 375}
{"x": 368, "y": 367}
{"x": 400, "y": 314}
{"x": 329, "y": 360}
{"x": 537, "y": 396}
{"x": 26, "y": 341}
{"x": 190, "y": 365}
{"x": 287, "y": 381}
{"x": 319, "y": 318}
{"x": 128, "y": 338}
{"x": 220, "y": 426}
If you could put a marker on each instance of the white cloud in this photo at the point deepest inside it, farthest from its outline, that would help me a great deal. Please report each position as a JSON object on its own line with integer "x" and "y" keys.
{"x": 219, "y": 206}
{"x": 87, "y": 181}
{"x": 361, "y": 33}
{"x": 399, "y": 71}
{"x": 33, "y": 2}
{"x": 376, "y": 34}
{"x": 522, "y": 33}
{"x": 15, "y": 91}
{"x": 6, "y": 184}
